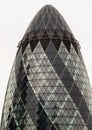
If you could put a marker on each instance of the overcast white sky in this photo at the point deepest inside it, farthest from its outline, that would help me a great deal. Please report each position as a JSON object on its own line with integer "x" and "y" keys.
{"x": 15, "y": 16}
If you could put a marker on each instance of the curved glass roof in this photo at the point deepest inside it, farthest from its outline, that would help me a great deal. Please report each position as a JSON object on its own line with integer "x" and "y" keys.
{"x": 49, "y": 20}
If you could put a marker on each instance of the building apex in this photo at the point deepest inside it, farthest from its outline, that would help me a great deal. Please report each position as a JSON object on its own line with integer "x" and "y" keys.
{"x": 49, "y": 20}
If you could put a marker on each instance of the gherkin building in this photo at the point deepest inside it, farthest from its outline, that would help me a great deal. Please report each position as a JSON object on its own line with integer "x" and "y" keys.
{"x": 48, "y": 87}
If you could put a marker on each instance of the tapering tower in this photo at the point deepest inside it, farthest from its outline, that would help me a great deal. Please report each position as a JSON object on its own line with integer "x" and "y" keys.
{"x": 48, "y": 88}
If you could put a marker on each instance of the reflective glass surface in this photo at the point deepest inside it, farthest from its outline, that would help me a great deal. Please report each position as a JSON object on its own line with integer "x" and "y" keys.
{"x": 48, "y": 88}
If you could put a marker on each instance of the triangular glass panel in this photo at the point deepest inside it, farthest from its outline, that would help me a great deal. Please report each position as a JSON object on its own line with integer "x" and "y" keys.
{"x": 45, "y": 19}
{"x": 53, "y": 19}
{"x": 59, "y": 26}
{"x": 39, "y": 20}
{"x": 45, "y": 40}
{"x": 34, "y": 26}
{"x": 33, "y": 43}
{"x": 73, "y": 52}
{"x": 56, "y": 43}
{"x": 41, "y": 27}
{"x": 67, "y": 43}
{"x": 50, "y": 25}
{"x": 51, "y": 51}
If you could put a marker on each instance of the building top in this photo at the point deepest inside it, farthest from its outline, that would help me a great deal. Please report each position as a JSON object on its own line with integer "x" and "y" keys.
{"x": 49, "y": 21}
{"x": 49, "y": 24}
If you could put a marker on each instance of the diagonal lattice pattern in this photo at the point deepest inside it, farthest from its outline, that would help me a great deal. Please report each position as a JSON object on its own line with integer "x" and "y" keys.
{"x": 48, "y": 88}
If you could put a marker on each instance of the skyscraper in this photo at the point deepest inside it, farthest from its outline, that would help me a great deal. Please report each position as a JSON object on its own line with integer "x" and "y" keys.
{"x": 48, "y": 88}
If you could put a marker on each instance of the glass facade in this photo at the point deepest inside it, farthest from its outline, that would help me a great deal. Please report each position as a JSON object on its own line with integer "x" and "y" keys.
{"x": 48, "y": 88}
